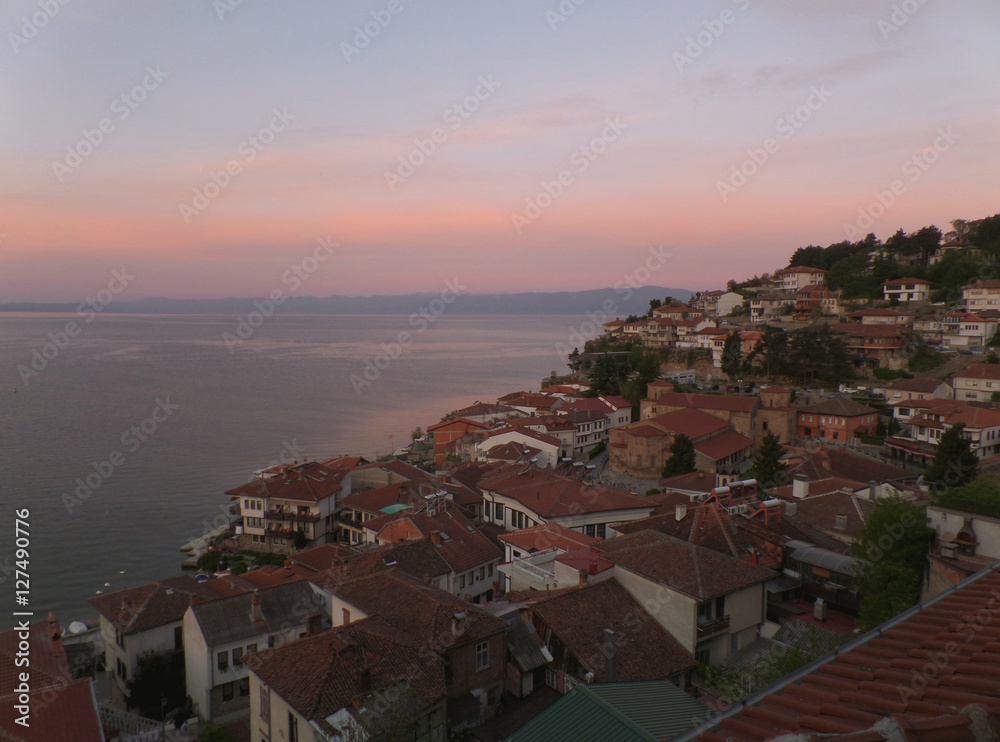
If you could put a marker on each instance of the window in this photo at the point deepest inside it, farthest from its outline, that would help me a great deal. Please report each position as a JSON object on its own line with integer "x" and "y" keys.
{"x": 461, "y": 581}
{"x": 482, "y": 573}
{"x": 271, "y": 641}
{"x": 245, "y": 687}
{"x": 265, "y": 703}
{"x": 490, "y": 572}
{"x": 251, "y": 648}
{"x": 293, "y": 728}
{"x": 482, "y": 656}
{"x": 703, "y": 656}
{"x": 237, "y": 656}
{"x": 499, "y": 511}
{"x": 178, "y": 638}
{"x": 223, "y": 660}
{"x": 227, "y": 691}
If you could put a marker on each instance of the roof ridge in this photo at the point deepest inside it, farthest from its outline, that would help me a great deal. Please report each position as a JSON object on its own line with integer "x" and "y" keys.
{"x": 620, "y": 717}
{"x": 138, "y": 612}
{"x": 696, "y": 568}
{"x": 725, "y": 532}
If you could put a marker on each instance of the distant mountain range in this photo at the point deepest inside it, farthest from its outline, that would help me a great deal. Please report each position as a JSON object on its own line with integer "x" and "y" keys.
{"x": 612, "y": 302}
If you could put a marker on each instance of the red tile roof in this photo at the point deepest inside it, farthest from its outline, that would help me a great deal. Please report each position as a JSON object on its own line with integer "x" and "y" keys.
{"x": 547, "y": 536}
{"x": 421, "y": 611}
{"x": 725, "y": 444}
{"x": 136, "y": 609}
{"x": 511, "y": 451}
{"x": 703, "y": 525}
{"x": 344, "y": 667}
{"x": 689, "y": 421}
{"x": 306, "y": 482}
{"x": 462, "y": 545}
{"x": 645, "y": 650}
{"x": 821, "y": 508}
{"x": 61, "y": 709}
{"x": 727, "y": 402}
{"x": 552, "y": 495}
{"x": 799, "y": 269}
{"x": 322, "y": 557}
{"x": 457, "y": 423}
{"x": 901, "y": 281}
{"x": 409, "y": 493}
{"x": 980, "y": 371}
{"x": 550, "y": 440}
{"x": 928, "y": 674}
{"x": 698, "y": 572}
{"x": 841, "y": 406}
{"x": 696, "y": 481}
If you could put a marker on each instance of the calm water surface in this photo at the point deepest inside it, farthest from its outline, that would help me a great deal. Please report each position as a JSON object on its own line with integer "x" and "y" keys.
{"x": 286, "y": 387}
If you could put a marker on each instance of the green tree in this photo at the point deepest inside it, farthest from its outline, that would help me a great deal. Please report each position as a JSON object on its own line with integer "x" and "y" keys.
{"x": 954, "y": 464}
{"x": 981, "y": 497}
{"x": 732, "y": 356}
{"x": 768, "y": 468}
{"x": 212, "y": 561}
{"x": 418, "y": 432}
{"x": 889, "y": 560}
{"x": 653, "y": 305}
{"x": 239, "y": 567}
{"x": 157, "y": 685}
{"x": 682, "y": 457}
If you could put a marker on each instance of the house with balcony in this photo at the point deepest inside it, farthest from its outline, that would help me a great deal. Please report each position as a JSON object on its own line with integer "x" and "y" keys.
{"x": 793, "y": 279}
{"x": 616, "y": 408}
{"x": 982, "y": 295}
{"x": 470, "y": 642}
{"x": 448, "y": 431}
{"x": 711, "y": 603}
{"x": 139, "y": 622}
{"x": 522, "y": 496}
{"x": 590, "y": 427}
{"x": 676, "y": 310}
{"x": 717, "y": 303}
{"x": 899, "y": 391}
{"x": 767, "y": 306}
{"x": 282, "y": 501}
{"x": 906, "y": 290}
{"x": 919, "y": 440}
{"x": 873, "y": 346}
{"x": 337, "y": 683}
{"x": 659, "y": 332}
{"x": 220, "y": 634}
{"x": 530, "y": 555}
{"x": 964, "y": 331}
{"x": 977, "y": 383}
{"x": 816, "y": 300}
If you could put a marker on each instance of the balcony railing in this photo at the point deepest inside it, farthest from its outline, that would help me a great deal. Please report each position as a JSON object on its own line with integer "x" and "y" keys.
{"x": 279, "y": 515}
{"x": 713, "y": 627}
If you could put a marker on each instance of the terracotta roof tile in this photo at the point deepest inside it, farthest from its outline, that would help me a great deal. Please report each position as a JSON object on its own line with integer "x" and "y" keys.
{"x": 547, "y": 536}
{"x": 645, "y": 650}
{"x": 306, "y": 482}
{"x": 696, "y": 571}
{"x": 148, "y": 606}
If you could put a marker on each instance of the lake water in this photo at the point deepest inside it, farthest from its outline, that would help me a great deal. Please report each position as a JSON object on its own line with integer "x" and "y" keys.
{"x": 157, "y": 416}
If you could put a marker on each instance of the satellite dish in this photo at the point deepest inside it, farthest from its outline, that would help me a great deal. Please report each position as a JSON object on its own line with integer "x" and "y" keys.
{"x": 541, "y": 464}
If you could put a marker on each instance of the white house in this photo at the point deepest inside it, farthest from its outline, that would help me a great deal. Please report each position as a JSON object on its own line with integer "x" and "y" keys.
{"x": 907, "y": 289}
{"x": 141, "y": 621}
{"x": 219, "y": 634}
{"x": 977, "y": 383}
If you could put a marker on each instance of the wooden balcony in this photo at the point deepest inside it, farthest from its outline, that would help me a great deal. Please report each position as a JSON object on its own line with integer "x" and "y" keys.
{"x": 283, "y": 515}
{"x": 710, "y": 628}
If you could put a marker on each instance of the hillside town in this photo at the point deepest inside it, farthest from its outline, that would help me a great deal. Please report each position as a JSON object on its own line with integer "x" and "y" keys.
{"x": 770, "y": 509}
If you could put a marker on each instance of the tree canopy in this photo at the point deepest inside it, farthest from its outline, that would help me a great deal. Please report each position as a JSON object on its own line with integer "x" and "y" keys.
{"x": 981, "y": 497}
{"x": 768, "y": 468}
{"x": 890, "y": 557}
{"x": 682, "y": 457}
{"x": 954, "y": 464}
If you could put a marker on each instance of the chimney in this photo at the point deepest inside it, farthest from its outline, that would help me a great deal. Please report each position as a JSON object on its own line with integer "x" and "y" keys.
{"x": 458, "y": 624}
{"x": 800, "y": 486}
{"x": 872, "y": 490}
{"x": 680, "y": 511}
{"x": 288, "y": 563}
{"x": 610, "y": 655}
{"x": 824, "y": 456}
{"x": 791, "y": 508}
{"x": 436, "y": 538}
{"x": 840, "y": 522}
{"x": 363, "y": 678}
{"x": 583, "y": 578}
{"x": 256, "y": 614}
{"x": 819, "y": 610}
{"x": 314, "y": 624}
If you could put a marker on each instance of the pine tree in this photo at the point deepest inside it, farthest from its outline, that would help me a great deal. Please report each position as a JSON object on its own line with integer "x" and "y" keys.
{"x": 768, "y": 467}
{"x": 732, "y": 356}
{"x": 955, "y": 464}
{"x": 681, "y": 459}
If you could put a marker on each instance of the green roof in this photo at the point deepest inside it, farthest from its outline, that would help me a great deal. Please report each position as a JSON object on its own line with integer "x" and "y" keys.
{"x": 395, "y": 508}
{"x": 641, "y": 711}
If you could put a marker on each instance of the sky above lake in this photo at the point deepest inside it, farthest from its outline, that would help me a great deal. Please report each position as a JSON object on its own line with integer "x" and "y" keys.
{"x": 208, "y": 148}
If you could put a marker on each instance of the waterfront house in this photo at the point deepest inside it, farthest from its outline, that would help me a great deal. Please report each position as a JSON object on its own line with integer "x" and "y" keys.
{"x": 907, "y": 289}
